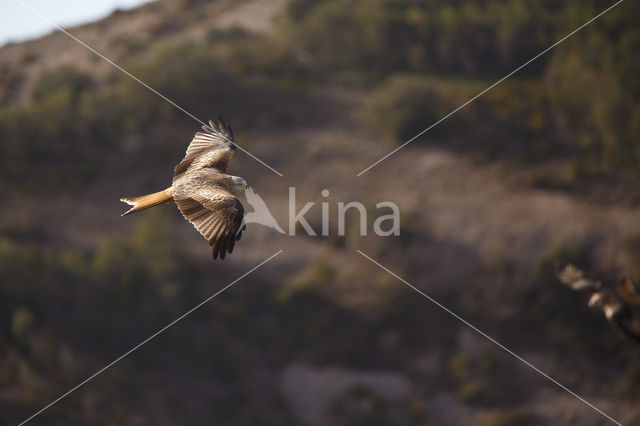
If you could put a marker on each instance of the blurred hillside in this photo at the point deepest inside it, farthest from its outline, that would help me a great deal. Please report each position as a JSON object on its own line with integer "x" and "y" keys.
{"x": 542, "y": 169}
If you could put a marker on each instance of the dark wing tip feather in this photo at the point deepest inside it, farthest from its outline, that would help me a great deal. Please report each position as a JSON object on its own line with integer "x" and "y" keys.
{"x": 220, "y": 127}
{"x": 216, "y": 249}
{"x": 223, "y": 246}
{"x": 225, "y": 239}
{"x": 208, "y": 127}
{"x": 231, "y": 242}
{"x": 220, "y": 247}
{"x": 213, "y": 127}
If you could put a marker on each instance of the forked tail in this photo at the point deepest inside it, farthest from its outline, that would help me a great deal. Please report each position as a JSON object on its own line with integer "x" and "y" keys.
{"x": 150, "y": 200}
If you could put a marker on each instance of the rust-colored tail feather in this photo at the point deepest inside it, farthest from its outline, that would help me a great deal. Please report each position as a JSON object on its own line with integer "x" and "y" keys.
{"x": 150, "y": 200}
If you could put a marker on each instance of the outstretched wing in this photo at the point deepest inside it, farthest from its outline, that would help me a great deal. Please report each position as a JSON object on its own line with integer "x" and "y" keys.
{"x": 213, "y": 148}
{"x": 573, "y": 278}
{"x": 216, "y": 214}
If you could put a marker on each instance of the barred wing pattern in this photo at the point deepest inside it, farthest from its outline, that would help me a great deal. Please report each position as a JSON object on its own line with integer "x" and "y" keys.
{"x": 212, "y": 149}
{"x": 217, "y": 215}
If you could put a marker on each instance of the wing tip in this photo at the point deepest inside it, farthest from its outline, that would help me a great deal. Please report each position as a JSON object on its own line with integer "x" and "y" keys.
{"x": 220, "y": 127}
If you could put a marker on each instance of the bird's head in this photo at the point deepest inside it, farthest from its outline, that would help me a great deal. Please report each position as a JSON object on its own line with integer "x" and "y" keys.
{"x": 238, "y": 184}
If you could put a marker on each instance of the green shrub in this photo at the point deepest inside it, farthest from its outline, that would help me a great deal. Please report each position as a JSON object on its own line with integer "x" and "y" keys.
{"x": 22, "y": 322}
{"x": 67, "y": 80}
{"x": 10, "y": 81}
{"x": 471, "y": 392}
{"x": 407, "y": 104}
{"x": 395, "y": 35}
{"x": 59, "y": 138}
{"x": 361, "y": 406}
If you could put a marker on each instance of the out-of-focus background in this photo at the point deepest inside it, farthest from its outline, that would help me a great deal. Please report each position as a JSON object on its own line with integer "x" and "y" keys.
{"x": 541, "y": 169}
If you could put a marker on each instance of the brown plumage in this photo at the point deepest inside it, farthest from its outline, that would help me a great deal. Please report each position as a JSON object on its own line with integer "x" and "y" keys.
{"x": 620, "y": 304}
{"x": 203, "y": 191}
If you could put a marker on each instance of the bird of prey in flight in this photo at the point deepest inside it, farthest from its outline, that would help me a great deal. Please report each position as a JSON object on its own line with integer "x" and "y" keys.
{"x": 620, "y": 305}
{"x": 203, "y": 191}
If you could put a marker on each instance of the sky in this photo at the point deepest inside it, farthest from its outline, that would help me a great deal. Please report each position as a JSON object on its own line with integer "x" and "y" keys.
{"x": 18, "y": 23}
